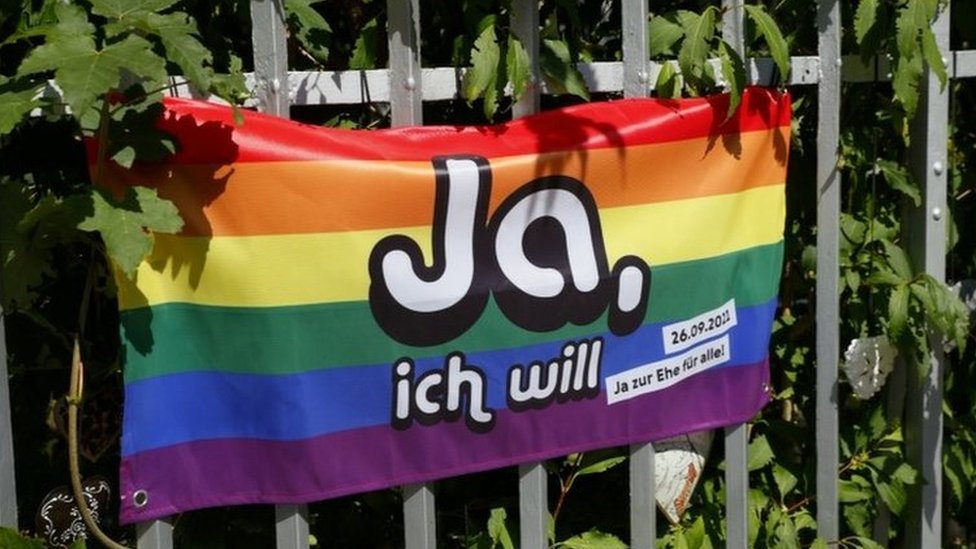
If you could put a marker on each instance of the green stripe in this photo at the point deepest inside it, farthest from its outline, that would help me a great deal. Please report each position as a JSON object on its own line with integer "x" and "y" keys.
{"x": 177, "y": 337}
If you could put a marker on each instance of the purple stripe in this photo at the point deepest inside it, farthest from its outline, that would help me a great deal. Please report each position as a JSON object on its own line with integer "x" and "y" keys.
{"x": 242, "y": 471}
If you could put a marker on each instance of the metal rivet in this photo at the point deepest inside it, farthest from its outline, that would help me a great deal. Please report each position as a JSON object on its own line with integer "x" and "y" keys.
{"x": 945, "y": 61}
{"x": 838, "y": 61}
{"x": 642, "y": 77}
{"x": 275, "y": 85}
{"x": 410, "y": 83}
{"x": 937, "y": 167}
{"x": 888, "y": 76}
{"x": 936, "y": 213}
{"x": 140, "y": 498}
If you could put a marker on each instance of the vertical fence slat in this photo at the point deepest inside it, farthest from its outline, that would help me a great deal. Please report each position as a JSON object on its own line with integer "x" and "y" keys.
{"x": 533, "y": 492}
{"x": 8, "y": 489}
{"x": 405, "y": 71}
{"x": 636, "y": 60}
{"x": 736, "y": 487}
{"x": 419, "y": 517}
{"x": 291, "y": 526}
{"x": 156, "y": 534}
{"x": 525, "y": 25}
{"x": 643, "y": 519}
{"x": 636, "y": 54}
{"x": 406, "y": 109}
{"x": 828, "y": 267}
{"x": 925, "y": 234}
{"x": 736, "y": 443}
{"x": 270, "y": 49}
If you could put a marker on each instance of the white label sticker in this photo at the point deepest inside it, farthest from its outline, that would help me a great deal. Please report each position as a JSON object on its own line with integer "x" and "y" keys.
{"x": 665, "y": 373}
{"x": 688, "y": 333}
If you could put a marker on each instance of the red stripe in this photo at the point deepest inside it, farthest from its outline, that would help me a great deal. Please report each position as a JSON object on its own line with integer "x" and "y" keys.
{"x": 216, "y": 140}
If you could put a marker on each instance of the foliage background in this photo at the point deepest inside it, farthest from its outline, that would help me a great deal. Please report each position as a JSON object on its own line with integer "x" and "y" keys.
{"x": 111, "y": 59}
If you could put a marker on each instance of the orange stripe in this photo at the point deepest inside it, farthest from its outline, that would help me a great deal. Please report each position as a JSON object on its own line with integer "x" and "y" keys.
{"x": 317, "y": 197}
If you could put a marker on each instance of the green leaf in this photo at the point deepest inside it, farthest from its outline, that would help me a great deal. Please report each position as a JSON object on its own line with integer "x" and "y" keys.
{"x": 11, "y": 539}
{"x": 760, "y": 453}
{"x": 85, "y": 73}
{"x": 695, "y": 47}
{"x": 898, "y": 312}
{"x": 897, "y": 176}
{"x": 16, "y": 101}
{"x": 120, "y": 9}
{"x": 364, "y": 51}
{"x": 898, "y": 260}
{"x": 560, "y": 70}
{"x": 517, "y": 64}
{"x": 125, "y": 226}
{"x": 904, "y": 81}
{"x": 601, "y": 465}
{"x": 865, "y": 18}
{"x": 309, "y": 27}
{"x": 785, "y": 480}
{"x": 178, "y": 35}
{"x": 498, "y": 528}
{"x": 734, "y": 73}
{"x": 485, "y": 57}
{"x": 662, "y": 34}
{"x": 906, "y": 33}
{"x": 849, "y": 491}
{"x": 893, "y": 495}
{"x": 668, "y": 83}
{"x": 769, "y": 30}
{"x": 819, "y": 543}
{"x": 593, "y": 539}
{"x": 932, "y": 55}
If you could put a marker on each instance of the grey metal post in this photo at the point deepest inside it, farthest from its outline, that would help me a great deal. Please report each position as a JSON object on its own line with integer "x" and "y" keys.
{"x": 525, "y": 25}
{"x": 736, "y": 443}
{"x": 406, "y": 109}
{"x": 8, "y": 487}
{"x": 828, "y": 268}
{"x": 636, "y": 60}
{"x": 636, "y": 55}
{"x": 291, "y": 526}
{"x": 533, "y": 493}
{"x": 406, "y": 93}
{"x": 925, "y": 234}
{"x": 156, "y": 534}
{"x": 736, "y": 487}
{"x": 270, "y": 48}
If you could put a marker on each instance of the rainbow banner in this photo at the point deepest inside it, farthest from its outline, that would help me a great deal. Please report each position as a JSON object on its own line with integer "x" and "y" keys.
{"x": 346, "y": 311}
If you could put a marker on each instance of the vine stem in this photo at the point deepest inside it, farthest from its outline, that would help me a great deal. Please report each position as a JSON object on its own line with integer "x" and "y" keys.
{"x": 75, "y": 393}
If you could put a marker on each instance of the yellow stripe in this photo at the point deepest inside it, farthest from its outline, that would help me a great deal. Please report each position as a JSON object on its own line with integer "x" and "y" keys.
{"x": 262, "y": 271}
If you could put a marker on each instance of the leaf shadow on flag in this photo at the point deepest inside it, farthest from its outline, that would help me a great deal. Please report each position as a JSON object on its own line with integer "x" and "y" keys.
{"x": 729, "y": 129}
{"x": 569, "y": 133}
{"x": 192, "y": 178}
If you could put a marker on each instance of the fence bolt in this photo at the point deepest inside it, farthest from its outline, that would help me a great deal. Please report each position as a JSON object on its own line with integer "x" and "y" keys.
{"x": 275, "y": 85}
{"x": 937, "y": 167}
{"x": 642, "y": 77}
{"x": 838, "y": 61}
{"x": 410, "y": 83}
{"x": 937, "y": 213}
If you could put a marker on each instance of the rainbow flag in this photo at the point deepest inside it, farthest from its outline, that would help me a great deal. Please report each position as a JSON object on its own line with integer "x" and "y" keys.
{"x": 346, "y": 311}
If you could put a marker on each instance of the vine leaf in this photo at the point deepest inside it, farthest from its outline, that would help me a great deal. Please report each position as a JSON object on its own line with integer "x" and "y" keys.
{"x": 760, "y": 453}
{"x": 85, "y": 73}
{"x": 898, "y": 312}
{"x": 482, "y": 78}
{"x": 517, "y": 65}
{"x": 560, "y": 70}
{"x": 734, "y": 73}
{"x": 932, "y": 55}
{"x": 864, "y": 19}
{"x": 898, "y": 178}
{"x": 120, "y": 9}
{"x": 364, "y": 51}
{"x": 662, "y": 34}
{"x": 699, "y": 31}
{"x": 309, "y": 27}
{"x": 16, "y": 100}
{"x": 178, "y": 36}
{"x": 774, "y": 38}
{"x": 498, "y": 529}
{"x": 668, "y": 83}
{"x": 593, "y": 539}
{"x": 124, "y": 225}
{"x": 898, "y": 260}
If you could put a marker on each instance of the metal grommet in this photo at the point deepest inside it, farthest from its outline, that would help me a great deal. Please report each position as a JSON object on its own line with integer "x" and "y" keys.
{"x": 140, "y": 498}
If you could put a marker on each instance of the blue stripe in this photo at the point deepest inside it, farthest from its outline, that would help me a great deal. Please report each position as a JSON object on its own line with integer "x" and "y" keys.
{"x": 173, "y": 409}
